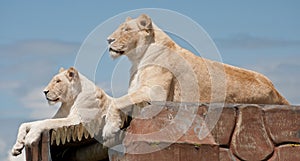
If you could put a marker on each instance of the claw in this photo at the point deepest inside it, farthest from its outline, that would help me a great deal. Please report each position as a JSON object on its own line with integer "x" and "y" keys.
{"x": 109, "y": 131}
{"x": 32, "y": 138}
{"x": 16, "y": 152}
{"x": 17, "y": 149}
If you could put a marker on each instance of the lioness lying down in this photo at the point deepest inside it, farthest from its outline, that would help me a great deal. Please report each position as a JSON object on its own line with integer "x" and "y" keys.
{"x": 80, "y": 99}
{"x": 164, "y": 71}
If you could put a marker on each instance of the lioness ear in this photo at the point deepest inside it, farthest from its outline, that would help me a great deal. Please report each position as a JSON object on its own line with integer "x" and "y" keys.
{"x": 72, "y": 74}
{"x": 144, "y": 22}
{"x": 128, "y": 19}
{"x": 61, "y": 70}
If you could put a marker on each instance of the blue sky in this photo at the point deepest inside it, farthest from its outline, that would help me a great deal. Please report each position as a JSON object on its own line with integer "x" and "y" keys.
{"x": 38, "y": 37}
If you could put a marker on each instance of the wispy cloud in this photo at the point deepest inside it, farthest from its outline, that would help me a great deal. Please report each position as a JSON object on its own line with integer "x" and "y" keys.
{"x": 26, "y": 67}
{"x": 275, "y": 58}
{"x": 10, "y": 85}
{"x": 2, "y": 146}
{"x": 284, "y": 73}
{"x": 250, "y": 42}
{"x": 36, "y": 102}
{"x": 6, "y": 155}
{"x": 21, "y": 157}
{"x": 39, "y": 48}
{"x": 35, "y": 57}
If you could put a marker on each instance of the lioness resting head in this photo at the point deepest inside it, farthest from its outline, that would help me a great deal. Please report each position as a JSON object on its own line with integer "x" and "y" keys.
{"x": 162, "y": 71}
{"x": 81, "y": 101}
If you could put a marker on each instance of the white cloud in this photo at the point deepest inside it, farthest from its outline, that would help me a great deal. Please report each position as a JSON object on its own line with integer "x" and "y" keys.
{"x": 248, "y": 41}
{"x": 28, "y": 65}
{"x": 2, "y": 146}
{"x": 31, "y": 62}
{"x": 20, "y": 157}
{"x": 36, "y": 102}
{"x": 9, "y": 157}
{"x": 285, "y": 74}
{"x": 9, "y": 85}
{"x": 39, "y": 47}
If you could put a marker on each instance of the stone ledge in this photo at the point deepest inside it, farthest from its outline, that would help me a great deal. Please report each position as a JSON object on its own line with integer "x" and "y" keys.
{"x": 243, "y": 132}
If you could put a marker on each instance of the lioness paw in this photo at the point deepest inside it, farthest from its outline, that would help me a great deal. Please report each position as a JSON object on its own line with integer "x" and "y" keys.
{"x": 112, "y": 122}
{"x": 109, "y": 130}
{"x": 17, "y": 149}
{"x": 32, "y": 138}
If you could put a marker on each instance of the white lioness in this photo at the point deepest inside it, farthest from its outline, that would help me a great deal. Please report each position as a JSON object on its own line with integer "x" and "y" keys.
{"x": 164, "y": 71}
{"x": 80, "y": 99}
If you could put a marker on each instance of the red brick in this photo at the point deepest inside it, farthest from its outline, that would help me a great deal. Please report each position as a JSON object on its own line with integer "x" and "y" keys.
{"x": 226, "y": 155}
{"x": 283, "y": 123}
{"x": 250, "y": 140}
{"x": 224, "y": 128}
{"x": 162, "y": 128}
{"x": 288, "y": 152}
{"x": 176, "y": 152}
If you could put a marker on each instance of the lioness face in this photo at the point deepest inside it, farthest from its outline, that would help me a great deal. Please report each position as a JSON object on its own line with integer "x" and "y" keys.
{"x": 131, "y": 34}
{"x": 63, "y": 86}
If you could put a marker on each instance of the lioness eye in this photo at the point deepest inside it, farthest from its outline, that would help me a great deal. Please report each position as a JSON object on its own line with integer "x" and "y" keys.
{"x": 126, "y": 29}
{"x": 57, "y": 81}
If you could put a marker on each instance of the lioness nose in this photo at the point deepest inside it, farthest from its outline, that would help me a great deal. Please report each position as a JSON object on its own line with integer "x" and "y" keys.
{"x": 46, "y": 91}
{"x": 110, "y": 40}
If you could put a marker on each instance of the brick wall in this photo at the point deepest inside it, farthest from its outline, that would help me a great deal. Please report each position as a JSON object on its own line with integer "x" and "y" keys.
{"x": 242, "y": 132}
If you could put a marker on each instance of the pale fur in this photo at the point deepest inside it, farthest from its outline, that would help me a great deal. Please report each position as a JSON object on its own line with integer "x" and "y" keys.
{"x": 146, "y": 45}
{"x": 81, "y": 101}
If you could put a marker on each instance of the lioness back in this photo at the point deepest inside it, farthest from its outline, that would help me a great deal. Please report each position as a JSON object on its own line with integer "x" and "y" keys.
{"x": 242, "y": 85}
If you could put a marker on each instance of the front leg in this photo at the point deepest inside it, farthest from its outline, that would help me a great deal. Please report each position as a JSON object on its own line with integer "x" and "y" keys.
{"x": 22, "y": 132}
{"x": 34, "y": 135}
{"x": 37, "y": 129}
{"x": 113, "y": 122}
{"x": 29, "y": 133}
{"x": 151, "y": 86}
{"x": 113, "y": 119}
